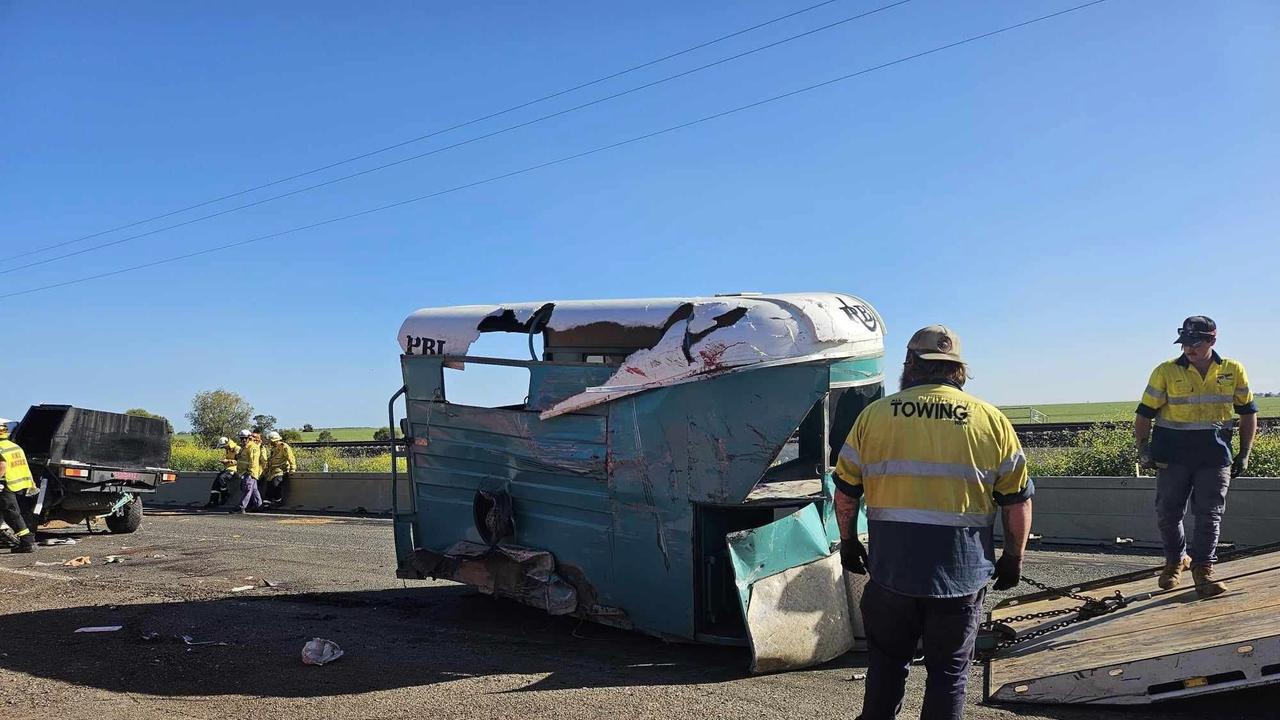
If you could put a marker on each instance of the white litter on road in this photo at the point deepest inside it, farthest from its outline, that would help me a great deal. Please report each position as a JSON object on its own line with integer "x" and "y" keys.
{"x": 99, "y": 629}
{"x": 320, "y": 651}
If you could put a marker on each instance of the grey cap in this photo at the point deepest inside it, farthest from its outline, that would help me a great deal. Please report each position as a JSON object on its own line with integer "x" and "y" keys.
{"x": 936, "y": 342}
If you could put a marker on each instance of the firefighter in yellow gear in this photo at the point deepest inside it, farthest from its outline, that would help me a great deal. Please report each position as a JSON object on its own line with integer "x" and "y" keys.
{"x": 279, "y": 465}
{"x": 220, "y": 492}
{"x": 15, "y": 480}
{"x": 249, "y": 465}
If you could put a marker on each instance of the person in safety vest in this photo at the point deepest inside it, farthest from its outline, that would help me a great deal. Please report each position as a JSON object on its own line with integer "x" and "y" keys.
{"x": 15, "y": 480}
{"x": 220, "y": 491}
{"x": 279, "y": 465}
{"x": 249, "y": 465}
{"x": 1191, "y": 400}
{"x": 932, "y": 464}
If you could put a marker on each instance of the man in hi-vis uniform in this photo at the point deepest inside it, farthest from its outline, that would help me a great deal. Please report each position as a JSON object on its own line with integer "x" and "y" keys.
{"x": 1191, "y": 400}
{"x": 15, "y": 480}
{"x": 933, "y": 464}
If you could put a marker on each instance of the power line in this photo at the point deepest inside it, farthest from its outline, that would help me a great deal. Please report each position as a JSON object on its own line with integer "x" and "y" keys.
{"x": 460, "y": 143}
{"x": 429, "y": 135}
{"x": 561, "y": 160}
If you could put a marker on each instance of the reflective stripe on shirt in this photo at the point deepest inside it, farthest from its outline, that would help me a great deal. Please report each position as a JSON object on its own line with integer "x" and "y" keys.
{"x": 931, "y": 517}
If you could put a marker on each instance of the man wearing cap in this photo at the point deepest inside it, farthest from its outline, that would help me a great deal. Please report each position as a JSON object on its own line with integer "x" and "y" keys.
{"x": 249, "y": 465}
{"x": 279, "y": 465}
{"x": 15, "y": 479}
{"x": 1191, "y": 400}
{"x": 220, "y": 492}
{"x": 932, "y": 464}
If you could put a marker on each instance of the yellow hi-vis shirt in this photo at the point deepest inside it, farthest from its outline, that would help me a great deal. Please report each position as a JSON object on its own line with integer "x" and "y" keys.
{"x": 229, "y": 453}
{"x": 250, "y": 459}
{"x": 17, "y": 474}
{"x": 281, "y": 461}
{"x": 932, "y": 463}
{"x": 1193, "y": 414}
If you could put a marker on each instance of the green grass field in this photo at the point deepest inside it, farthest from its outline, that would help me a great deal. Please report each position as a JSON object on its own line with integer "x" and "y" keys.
{"x": 1103, "y": 411}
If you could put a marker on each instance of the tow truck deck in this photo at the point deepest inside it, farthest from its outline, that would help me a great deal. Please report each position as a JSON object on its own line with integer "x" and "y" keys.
{"x": 1152, "y": 646}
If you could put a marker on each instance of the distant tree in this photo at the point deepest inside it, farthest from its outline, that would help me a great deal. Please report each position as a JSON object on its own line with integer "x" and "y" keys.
{"x": 325, "y": 436}
{"x": 382, "y": 434}
{"x": 308, "y": 428}
{"x": 217, "y": 413}
{"x": 139, "y": 412}
{"x": 264, "y": 423}
{"x": 290, "y": 436}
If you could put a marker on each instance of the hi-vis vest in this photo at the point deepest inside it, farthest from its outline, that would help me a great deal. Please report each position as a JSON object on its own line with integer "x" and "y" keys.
{"x": 229, "y": 454}
{"x": 18, "y": 475}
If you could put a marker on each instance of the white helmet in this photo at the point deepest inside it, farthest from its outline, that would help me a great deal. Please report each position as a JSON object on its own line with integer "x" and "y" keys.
{"x": 245, "y": 433}
{"x": 222, "y": 441}
{"x": 273, "y": 436}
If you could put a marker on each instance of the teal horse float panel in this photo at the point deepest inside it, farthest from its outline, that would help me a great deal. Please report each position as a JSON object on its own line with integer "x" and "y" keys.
{"x": 671, "y": 461}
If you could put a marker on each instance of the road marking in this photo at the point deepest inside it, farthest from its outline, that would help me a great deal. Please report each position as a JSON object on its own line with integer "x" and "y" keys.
{"x": 36, "y": 574}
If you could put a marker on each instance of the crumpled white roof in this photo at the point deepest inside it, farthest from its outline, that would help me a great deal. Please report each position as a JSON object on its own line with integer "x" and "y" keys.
{"x": 712, "y": 335}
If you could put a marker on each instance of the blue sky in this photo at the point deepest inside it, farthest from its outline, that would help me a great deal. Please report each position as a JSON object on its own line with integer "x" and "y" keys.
{"x": 1061, "y": 195}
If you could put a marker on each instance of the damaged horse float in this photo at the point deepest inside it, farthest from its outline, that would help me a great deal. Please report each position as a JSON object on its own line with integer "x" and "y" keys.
{"x": 668, "y": 472}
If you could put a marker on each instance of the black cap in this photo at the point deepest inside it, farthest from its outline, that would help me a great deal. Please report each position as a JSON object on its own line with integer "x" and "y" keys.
{"x": 1195, "y": 328}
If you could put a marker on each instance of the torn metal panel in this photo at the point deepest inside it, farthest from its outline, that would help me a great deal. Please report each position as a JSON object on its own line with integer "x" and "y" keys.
{"x": 1155, "y": 648}
{"x": 797, "y": 605}
{"x": 521, "y": 574}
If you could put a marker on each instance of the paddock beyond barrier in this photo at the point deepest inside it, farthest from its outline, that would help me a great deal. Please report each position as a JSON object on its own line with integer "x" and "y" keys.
{"x": 1067, "y": 509}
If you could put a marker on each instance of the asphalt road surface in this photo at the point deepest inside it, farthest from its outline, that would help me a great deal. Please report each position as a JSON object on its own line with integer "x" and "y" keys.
{"x": 418, "y": 649}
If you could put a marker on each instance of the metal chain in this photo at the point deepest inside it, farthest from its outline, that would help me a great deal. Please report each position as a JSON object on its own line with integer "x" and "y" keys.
{"x": 1092, "y": 607}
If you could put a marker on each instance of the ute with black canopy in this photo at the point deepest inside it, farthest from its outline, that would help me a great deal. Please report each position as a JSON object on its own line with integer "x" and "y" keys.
{"x": 93, "y": 464}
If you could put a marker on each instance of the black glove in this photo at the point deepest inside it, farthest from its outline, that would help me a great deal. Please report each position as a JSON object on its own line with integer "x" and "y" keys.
{"x": 1240, "y": 464}
{"x": 1008, "y": 571}
{"x": 853, "y": 556}
{"x": 1144, "y": 457}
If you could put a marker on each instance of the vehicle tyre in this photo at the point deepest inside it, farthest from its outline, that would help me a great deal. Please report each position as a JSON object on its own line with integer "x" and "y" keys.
{"x": 126, "y": 519}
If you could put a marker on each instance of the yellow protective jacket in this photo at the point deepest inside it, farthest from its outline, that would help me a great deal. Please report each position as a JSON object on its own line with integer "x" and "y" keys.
{"x": 230, "y": 453}
{"x": 932, "y": 464}
{"x": 17, "y": 474}
{"x": 1193, "y": 415}
{"x": 249, "y": 460}
{"x": 281, "y": 460}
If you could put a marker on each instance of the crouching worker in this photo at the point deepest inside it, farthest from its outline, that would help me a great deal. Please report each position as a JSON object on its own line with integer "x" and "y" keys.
{"x": 15, "y": 480}
{"x": 220, "y": 492}
{"x": 932, "y": 463}
{"x": 279, "y": 466}
{"x": 249, "y": 465}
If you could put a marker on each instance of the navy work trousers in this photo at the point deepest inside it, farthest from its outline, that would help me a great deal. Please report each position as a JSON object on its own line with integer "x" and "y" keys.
{"x": 1206, "y": 490}
{"x": 896, "y": 625}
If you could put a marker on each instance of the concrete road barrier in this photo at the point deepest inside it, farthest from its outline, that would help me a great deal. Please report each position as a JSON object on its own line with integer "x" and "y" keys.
{"x": 308, "y": 492}
{"x": 1089, "y": 509}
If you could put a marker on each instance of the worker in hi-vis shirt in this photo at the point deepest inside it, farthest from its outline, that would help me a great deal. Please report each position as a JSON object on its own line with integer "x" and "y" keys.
{"x": 933, "y": 465}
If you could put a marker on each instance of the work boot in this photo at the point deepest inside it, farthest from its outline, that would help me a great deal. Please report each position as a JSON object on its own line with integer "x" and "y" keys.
{"x": 1206, "y": 586}
{"x": 1171, "y": 575}
{"x": 26, "y": 544}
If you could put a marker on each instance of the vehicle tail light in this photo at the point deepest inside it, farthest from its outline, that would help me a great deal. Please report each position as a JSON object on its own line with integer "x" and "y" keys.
{"x": 168, "y": 477}
{"x": 75, "y": 472}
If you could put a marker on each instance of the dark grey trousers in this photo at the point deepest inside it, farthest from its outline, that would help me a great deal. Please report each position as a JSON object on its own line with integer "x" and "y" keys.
{"x": 1205, "y": 491}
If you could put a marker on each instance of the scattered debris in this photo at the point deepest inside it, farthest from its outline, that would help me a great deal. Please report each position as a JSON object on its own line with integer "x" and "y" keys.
{"x": 308, "y": 521}
{"x": 58, "y": 541}
{"x": 114, "y": 559}
{"x": 857, "y": 676}
{"x": 1123, "y": 541}
{"x": 157, "y": 555}
{"x": 47, "y": 564}
{"x": 268, "y": 583}
{"x": 80, "y": 561}
{"x": 1033, "y": 536}
{"x": 320, "y": 651}
{"x": 242, "y": 588}
{"x": 187, "y": 639}
{"x": 150, "y": 636}
{"x": 99, "y": 629}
